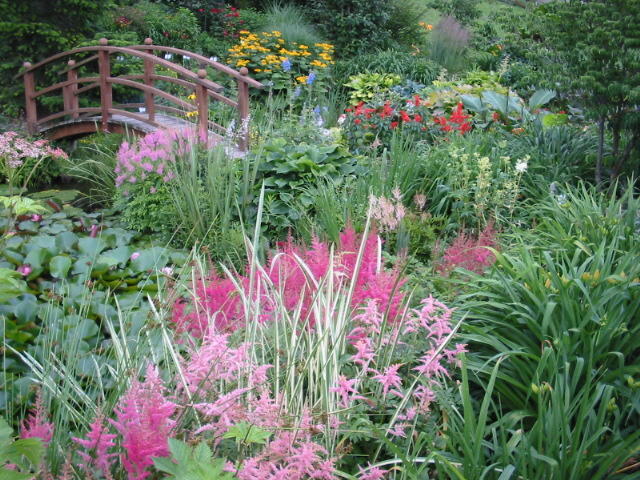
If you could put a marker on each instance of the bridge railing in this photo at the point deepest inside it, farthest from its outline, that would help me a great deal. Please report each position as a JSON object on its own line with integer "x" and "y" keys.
{"x": 197, "y": 82}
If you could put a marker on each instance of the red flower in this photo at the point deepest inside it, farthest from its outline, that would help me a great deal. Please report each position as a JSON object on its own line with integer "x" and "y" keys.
{"x": 465, "y": 127}
{"x": 417, "y": 118}
{"x": 394, "y": 125}
{"x": 495, "y": 116}
{"x": 348, "y": 110}
{"x": 440, "y": 120}
{"x": 359, "y": 108}
{"x": 562, "y": 112}
{"x": 458, "y": 116}
{"x": 446, "y": 128}
{"x": 416, "y": 100}
{"x": 357, "y": 121}
{"x": 201, "y": 9}
{"x": 387, "y": 111}
{"x": 215, "y": 10}
{"x": 405, "y": 117}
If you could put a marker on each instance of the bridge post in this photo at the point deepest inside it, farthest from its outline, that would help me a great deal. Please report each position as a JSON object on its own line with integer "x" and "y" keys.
{"x": 70, "y": 92}
{"x": 31, "y": 109}
{"x": 106, "y": 93}
{"x": 149, "y": 70}
{"x": 243, "y": 110}
{"x": 202, "y": 100}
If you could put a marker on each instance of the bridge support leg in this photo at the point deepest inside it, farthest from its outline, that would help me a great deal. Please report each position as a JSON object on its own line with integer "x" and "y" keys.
{"x": 31, "y": 109}
{"x": 106, "y": 94}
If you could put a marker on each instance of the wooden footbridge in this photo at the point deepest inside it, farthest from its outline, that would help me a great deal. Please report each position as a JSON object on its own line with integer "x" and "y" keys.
{"x": 173, "y": 111}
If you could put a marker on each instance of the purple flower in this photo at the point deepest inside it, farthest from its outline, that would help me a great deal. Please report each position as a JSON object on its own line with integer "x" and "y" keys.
{"x": 286, "y": 65}
{"x": 36, "y": 218}
{"x": 24, "y": 269}
{"x": 135, "y": 255}
{"x": 311, "y": 78}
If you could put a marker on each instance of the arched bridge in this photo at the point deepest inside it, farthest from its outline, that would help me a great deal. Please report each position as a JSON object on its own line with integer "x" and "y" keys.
{"x": 172, "y": 110}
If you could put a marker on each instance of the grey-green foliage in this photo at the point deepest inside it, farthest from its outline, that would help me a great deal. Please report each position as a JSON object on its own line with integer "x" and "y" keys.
{"x": 292, "y": 21}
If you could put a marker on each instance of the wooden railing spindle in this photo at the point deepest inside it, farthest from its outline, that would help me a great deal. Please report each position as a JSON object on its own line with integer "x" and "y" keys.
{"x": 106, "y": 93}
{"x": 149, "y": 70}
{"x": 31, "y": 108}
{"x": 202, "y": 101}
{"x": 243, "y": 110}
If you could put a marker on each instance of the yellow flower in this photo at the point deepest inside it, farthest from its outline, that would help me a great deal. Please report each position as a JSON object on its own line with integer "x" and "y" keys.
{"x": 192, "y": 96}
{"x": 318, "y": 63}
{"x": 242, "y": 63}
{"x": 426, "y": 26}
{"x": 244, "y": 32}
{"x": 302, "y": 79}
{"x": 192, "y": 114}
{"x": 257, "y": 69}
{"x": 303, "y": 47}
{"x": 276, "y": 33}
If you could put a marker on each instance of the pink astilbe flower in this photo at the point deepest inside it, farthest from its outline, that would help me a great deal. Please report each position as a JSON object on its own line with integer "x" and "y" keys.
{"x": 96, "y": 447}
{"x": 218, "y": 302}
{"x": 36, "y": 424}
{"x": 388, "y": 212}
{"x": 371, "y": 473}
{"x": 288, "y": 457}
{"x": 390, "y": 379}
{"x": 470, "y": 253}
{"x": 151, "y": 155}
{"x": 347, "y": 391}
{"x": 143, "y": 419}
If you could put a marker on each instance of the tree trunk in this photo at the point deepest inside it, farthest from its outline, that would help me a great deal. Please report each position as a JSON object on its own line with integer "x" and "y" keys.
{"x": 600, "y": 151}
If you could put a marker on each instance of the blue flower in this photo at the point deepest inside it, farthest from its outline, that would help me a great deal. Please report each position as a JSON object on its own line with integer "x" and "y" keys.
{"x": 286, "y": 65}
{"x": 297, "y": 92}
{"x": 311, "y": 78}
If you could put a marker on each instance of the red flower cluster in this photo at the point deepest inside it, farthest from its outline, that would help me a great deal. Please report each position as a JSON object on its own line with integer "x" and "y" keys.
{"x": 456, "y": 121}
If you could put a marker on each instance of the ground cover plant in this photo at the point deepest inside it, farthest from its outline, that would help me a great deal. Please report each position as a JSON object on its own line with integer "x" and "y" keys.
{"x": 424, "y": 266}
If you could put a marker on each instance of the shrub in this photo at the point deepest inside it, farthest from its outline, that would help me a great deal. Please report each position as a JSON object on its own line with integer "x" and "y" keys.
{"x": 354, "y": 25}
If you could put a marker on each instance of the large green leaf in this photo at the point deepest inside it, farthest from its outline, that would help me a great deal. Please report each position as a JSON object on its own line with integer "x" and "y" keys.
{"x": 541, "y": 97}
{"x": 59, "y": 266}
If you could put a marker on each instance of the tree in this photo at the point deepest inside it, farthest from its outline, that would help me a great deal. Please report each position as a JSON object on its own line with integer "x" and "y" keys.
{"x": 35, "y": 29}
{"x": 600, "y": 43}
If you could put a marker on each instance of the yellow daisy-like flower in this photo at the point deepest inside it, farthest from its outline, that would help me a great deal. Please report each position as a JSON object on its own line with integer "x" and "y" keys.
{"x": 257, "y": 69}
{"x": 242, "y": 63}
{"x": 192, "y": 114}
{"x": 302, "y": 79}
{"x": 318, "y": 63}
{"x": 192, "y": 96}
{"x": 276, "y": 33}
{"x": 303, "y": 47}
